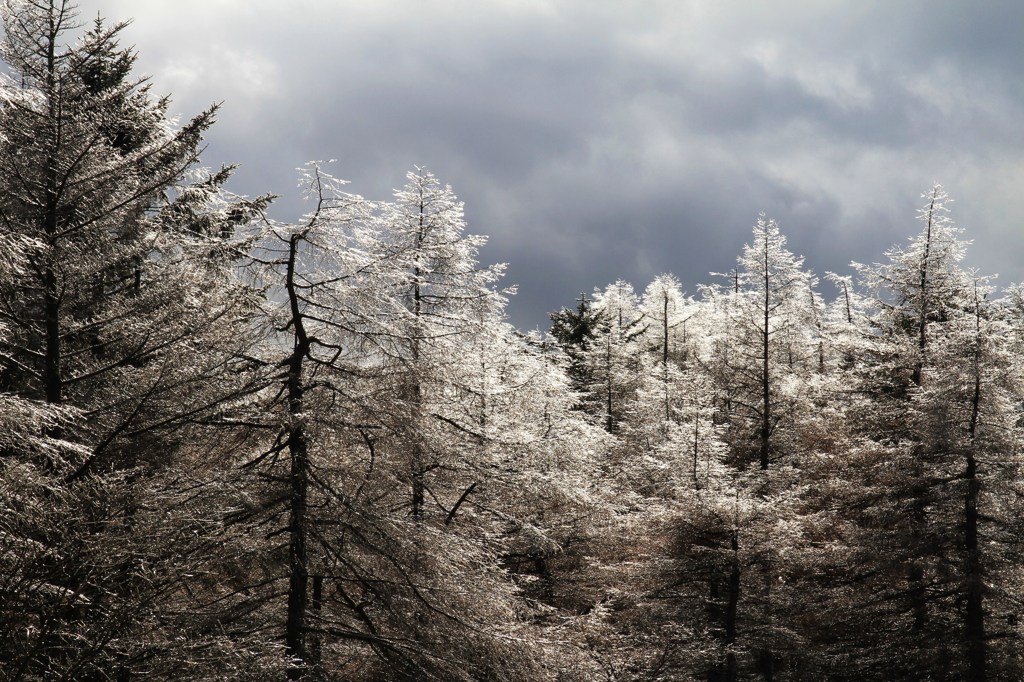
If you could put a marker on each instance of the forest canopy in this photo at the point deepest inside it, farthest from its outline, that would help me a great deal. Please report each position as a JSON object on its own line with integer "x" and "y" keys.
{"x": 237, "y": 448}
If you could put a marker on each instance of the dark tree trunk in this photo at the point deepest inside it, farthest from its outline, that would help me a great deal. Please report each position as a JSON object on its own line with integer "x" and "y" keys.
{"x": 973, "y": 573}
{"x": 418, "y": 487}
{"x": 298, "y": 577}
{"x": 730, "y": 669}
{"x": 765, "y": 432}
{"x": 53, "y": 383}
{"x": 922, "y": 319}
{"x": 419, "y": 468}
{"x": 975, "y": 613}
{"x": 915, "y": 574}
{"x": 298, "y": 451}
{"x": 610, "y": 421}
{"x": 696, "y": 444}
{"x": 664, "y": 331}
{"x": 52, "y": 380}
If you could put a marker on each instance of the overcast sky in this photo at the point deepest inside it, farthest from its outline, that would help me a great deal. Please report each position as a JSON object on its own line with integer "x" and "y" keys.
{"x": 594, "y": 140}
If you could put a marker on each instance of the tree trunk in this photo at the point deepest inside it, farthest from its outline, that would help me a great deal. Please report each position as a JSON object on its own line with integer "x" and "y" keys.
{"x": 765, "y": 432}
{"x": 609, "y": 422}
{"x": 915, "y": 576}
{"x": 922, "y": 321}
{"x": 53, "y": 384}
{"x": 766, "y": 404}
{"x": 731, "y": 670}
{"x": 419, "y": 469}
{"x": 298, "y": 577}
{"x": 298, "y": 451}
{"x": 975, "y": 612}
{"x": 664, "y": 331}
{"x": 418, "y": 487}
{"x": 696, "y": 443}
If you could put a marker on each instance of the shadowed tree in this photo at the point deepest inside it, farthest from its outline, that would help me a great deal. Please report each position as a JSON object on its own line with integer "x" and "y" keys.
{"x": 121, "y": 317}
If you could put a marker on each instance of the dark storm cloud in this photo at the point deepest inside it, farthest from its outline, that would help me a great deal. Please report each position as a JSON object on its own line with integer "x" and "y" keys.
{"x": 594, "y": 140}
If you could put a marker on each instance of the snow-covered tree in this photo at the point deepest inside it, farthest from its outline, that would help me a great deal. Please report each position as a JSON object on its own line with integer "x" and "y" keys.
{"x": 768, "y": 346}
{"x": 121, "y": 318}
{"x": 450, "y": 303}
{"x": 614, "y": 356}
{"x": 932, "y": 460}
{"x": 661, "y": 392}
{"x": 421, "y": 451}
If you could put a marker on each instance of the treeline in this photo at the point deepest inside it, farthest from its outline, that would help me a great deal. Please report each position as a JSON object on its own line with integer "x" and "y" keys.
{"x": 237, "y": 449}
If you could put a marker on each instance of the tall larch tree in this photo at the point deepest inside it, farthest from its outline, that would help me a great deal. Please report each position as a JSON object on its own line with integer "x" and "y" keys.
{"x": 773, "y": 318}
{"x": 933, "y": 389}
{"x": 614, "y": 355}
{"x": 402, "y": 422}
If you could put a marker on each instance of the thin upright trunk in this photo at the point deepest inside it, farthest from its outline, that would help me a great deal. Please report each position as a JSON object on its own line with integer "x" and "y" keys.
{"x": 664, "y": 364}
{"x": 53, "y": 383}
{"x": 732, "y": 606}
{"x": 664, "y": 330}
{"x": 915, "y": 575}
{"x": 696, "y": 442}
{"x": 846, "y": 297}
{"x": 975, "y": 612}
{"x": 765, "y": 663}
{"x": 609, "y": 422}
{"x": 419, "y": 468}
{"x": 766, "y": 403}
{"x": 298, "y": 451}
{"x": 298, "y": 576}
{"x": 922, "y": 319}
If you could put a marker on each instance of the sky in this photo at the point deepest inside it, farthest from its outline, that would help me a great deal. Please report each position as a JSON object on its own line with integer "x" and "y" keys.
{"x": 594, "y": 140}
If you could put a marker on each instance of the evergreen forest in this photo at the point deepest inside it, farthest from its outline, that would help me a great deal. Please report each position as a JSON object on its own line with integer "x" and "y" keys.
{"x": 235, "y": 448}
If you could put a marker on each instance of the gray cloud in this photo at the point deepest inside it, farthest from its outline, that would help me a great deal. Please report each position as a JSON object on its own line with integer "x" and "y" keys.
{"x": 594, "y": 140}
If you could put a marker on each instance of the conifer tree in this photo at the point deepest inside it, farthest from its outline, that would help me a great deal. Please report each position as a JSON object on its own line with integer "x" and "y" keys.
{"x": 407, "y": 421}
{"x": 772, "y": 317}
{"x": 932, "y": 456}
{"x": 121, "y": 319}
{"x": 574, "y": 330}
{"x": 614, "y": 356}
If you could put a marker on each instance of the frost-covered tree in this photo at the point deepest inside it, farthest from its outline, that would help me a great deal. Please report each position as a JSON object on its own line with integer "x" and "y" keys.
{"x": 757, "y": 342}
{"x": 98, "y": 179}
{"x": 667, "y": 310}
{"x": 768, "y": 345}
{"x": 614, "y": 356}
{"x": 930, "y": 472}
{"x": 451, "y": 303}
{"x": 661, "y": 392}
{"x": 421, "y": 449}
{"x": 121, "y": 318}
